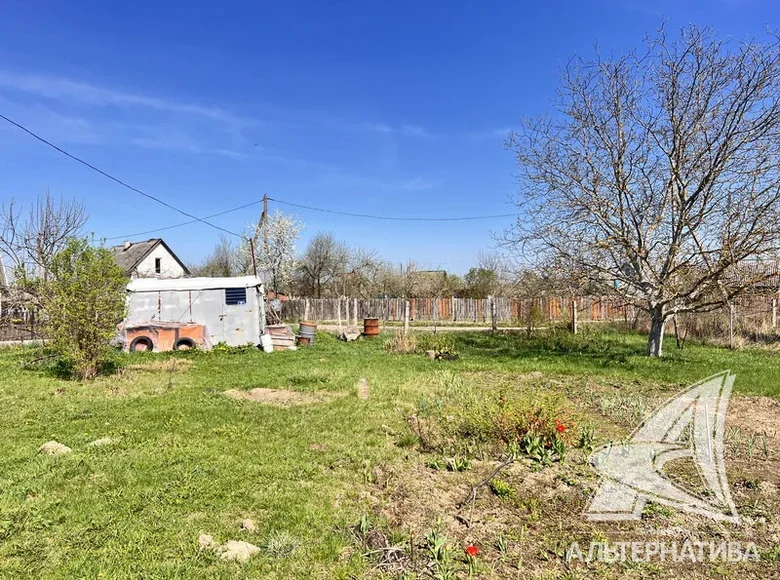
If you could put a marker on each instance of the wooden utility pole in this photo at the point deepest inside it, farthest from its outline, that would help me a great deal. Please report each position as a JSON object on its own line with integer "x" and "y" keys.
{"x": 406, "y": 318}
{"x": 574, "y": 315}
{"x": 254, "y": 258}
{"x": 493, "y": 321}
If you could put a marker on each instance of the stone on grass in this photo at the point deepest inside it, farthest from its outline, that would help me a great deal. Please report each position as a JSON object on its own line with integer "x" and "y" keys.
{"x": 248, "y": 525}
{"x": 100, "y": 442}
{"x": 349, "y": 334}
{"x": 54, "y": 448}
{"x": 238, "y": 551}
{"x": 430, "y": 354}
{"x": 206, "y": 541}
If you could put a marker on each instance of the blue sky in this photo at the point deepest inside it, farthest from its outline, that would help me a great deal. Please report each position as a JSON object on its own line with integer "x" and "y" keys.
{"x": 393, "y": 108}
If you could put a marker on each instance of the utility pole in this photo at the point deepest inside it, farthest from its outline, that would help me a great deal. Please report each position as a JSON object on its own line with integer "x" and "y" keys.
{"x": 263, "y": 220}
{"x": 254, "y": 258}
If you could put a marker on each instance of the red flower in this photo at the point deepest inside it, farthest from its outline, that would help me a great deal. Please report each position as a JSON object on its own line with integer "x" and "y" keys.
{"x": 472, "y": 550}
{"x": 560, "y": 427}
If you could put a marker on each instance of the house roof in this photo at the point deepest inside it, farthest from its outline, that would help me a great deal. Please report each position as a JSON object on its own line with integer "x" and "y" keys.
{"x": 157, "y": 285}
{"x": 130, "y": 254}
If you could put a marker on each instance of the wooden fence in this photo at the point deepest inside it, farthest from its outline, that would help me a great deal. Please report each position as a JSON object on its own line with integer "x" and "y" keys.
{"x": 534, "y": 310}
{"x": 753, "y": 313}
{"x": 19, "y": 324}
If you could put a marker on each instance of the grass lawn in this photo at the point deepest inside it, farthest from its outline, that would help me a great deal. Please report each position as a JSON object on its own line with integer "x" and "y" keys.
{"x": 187, "y": 460}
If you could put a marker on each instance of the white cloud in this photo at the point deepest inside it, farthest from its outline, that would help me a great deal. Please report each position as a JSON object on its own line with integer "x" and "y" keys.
{"x": 66, "y": 90}
{"x": 414, "y": 131}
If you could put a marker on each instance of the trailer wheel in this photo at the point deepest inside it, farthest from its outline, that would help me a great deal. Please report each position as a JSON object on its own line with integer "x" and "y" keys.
{"x": 141, "y": 344}
{"x": 184, "y": 344}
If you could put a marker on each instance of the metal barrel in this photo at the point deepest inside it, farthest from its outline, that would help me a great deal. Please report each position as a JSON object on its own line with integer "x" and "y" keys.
{"x": 308, "y": 330}
{"x": 371, "y": 327}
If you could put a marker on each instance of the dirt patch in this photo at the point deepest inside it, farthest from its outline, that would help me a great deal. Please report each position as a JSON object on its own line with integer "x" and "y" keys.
{"x": 756, "y": 415}
{"x": 280, "y": 397}
{"x": 524, "y": 526}
{"x": 362, "y": 388}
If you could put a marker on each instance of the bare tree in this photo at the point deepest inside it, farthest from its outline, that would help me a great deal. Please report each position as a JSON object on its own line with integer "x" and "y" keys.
{"x": 30, "y": 239}
{"x": 362, "y": 274}
{"x": 659, "y": 176}
{"x": 224, "y": 261}
{"x": 324, "y": 260}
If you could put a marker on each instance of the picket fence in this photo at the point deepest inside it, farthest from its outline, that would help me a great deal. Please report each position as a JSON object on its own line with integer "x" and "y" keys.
{"x": 476, "y": 310}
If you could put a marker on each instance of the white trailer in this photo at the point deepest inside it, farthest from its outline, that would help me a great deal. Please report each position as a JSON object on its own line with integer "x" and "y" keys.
{"x": 230, "y": 310}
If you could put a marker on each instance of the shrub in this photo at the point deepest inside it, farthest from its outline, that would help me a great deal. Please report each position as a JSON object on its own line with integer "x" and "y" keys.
{"x": 83, "y": 302}
{"x": 439, "y": 343}
{"x": 399, "y": 343}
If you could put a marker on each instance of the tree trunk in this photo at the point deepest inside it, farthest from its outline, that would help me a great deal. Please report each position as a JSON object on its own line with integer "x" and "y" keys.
{"x": 656, "y": 340}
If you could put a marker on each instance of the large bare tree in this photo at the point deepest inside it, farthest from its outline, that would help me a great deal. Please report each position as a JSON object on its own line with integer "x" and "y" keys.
{"x": 658, "y": 176}
{"x": 31, "y": 236}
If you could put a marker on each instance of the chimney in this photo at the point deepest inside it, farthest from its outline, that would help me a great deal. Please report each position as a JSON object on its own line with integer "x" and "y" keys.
{"x": 127, "y": 244}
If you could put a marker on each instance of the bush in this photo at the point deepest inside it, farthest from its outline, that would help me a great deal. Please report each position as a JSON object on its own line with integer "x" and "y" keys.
{"x": 83, "y": 302}
{"x": 439, "y": 343}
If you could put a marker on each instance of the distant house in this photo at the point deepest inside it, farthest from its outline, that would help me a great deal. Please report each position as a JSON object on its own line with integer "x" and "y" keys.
{"x": 150, "y": 259}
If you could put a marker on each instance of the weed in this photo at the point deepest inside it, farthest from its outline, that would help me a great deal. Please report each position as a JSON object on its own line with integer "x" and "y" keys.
{"x": 281, "y": 544}
{"x": 502, "y": 489}
{"x": 440, "y": 553}
{"x": 442, "y": 345}
{"x": 363, "y": 525}
{"x": 772, "y": 555}
{"x": 586, "y": 438}
{"x": 458, "y": 463}
{"x": 502, "y": 544}
{"x": 400, "y": 343}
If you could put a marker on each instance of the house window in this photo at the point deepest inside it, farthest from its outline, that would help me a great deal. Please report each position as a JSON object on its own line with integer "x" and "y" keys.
{"x": 235, "y": 296}
{"x": 157, "y": 265}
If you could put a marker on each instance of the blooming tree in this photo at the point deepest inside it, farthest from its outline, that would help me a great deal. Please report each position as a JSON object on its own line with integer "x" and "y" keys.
{"x": 274, "y": 239}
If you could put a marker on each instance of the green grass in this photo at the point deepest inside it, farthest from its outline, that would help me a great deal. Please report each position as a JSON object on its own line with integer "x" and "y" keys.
{"x": 621, "y": 356}
{"x": 188, "y": 460}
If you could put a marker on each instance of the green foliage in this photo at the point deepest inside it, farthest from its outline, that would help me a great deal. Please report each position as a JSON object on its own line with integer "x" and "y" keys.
{"x": 83, "y": 302}
{"x": 458, "y": 463}
{"x": 465, "y": 420}
{"x": 440, "y": 553}
{"x": 587, "y": 436}
{"x": 502, "y": 489}
{"x": 440, "y": 343}
{"x": 227, "y": 349}
{"x": 281, "y": 544}
{"x": 480, "y": 283}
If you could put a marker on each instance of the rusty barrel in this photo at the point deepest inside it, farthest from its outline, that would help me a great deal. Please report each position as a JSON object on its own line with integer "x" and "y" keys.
{"x": 303, "y": 340}
{"x": 371, "y": 327}
{"x": 308, "y": 330}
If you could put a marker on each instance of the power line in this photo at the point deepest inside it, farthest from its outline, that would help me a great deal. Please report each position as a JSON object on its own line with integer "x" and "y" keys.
{"x": 394, "y": 218}
{"x": 129, "y": 236}
{"x": 112, "y": 178}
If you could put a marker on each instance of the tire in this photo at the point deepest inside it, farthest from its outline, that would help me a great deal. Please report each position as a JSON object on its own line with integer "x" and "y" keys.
{"x": 184, "y": 344}
{"x": 141, "y": 344}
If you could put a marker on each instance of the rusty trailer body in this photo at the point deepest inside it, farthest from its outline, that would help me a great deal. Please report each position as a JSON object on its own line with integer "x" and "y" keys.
{"x": 186, "y": 312}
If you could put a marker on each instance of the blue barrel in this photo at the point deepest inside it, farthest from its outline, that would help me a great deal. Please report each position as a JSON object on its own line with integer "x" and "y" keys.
{"x": 308, "y": 330}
